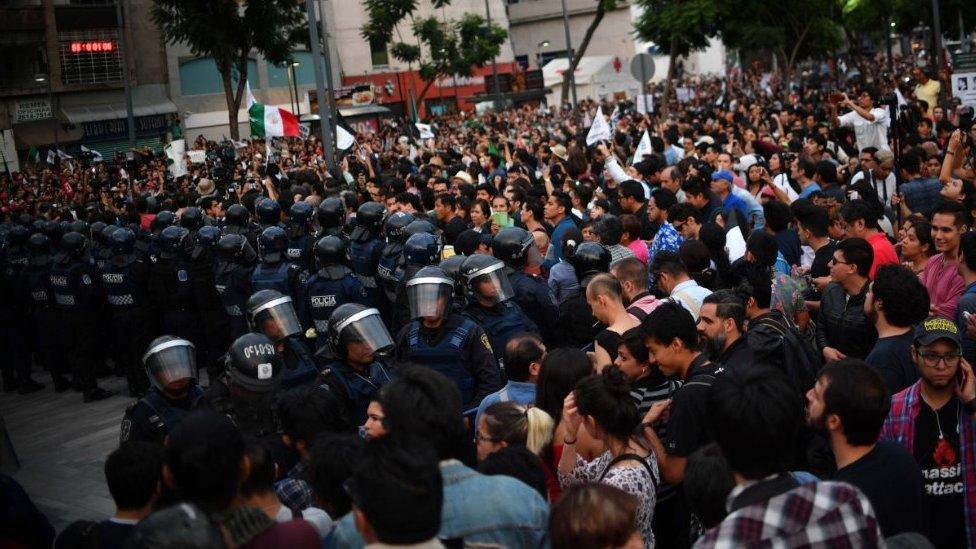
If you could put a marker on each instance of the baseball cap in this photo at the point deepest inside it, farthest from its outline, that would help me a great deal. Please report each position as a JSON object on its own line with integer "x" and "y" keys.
{"x": 722, "y": 174}
{"x": 935, "y": 328}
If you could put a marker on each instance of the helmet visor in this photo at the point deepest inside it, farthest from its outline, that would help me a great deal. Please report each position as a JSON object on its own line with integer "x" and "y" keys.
{"x": 276, "y": 319}
{"x": 429, "y": 296}
{"x": 366, "y": 327}
{"x": 169, "y": 362}
{"x": 492, "y": 287}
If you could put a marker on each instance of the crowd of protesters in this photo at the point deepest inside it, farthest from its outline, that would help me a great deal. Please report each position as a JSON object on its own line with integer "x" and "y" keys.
{"x": 757, "y": 331}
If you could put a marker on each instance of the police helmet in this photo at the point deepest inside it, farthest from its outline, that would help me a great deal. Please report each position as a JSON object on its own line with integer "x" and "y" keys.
{"x": 18, "y": 235}
{"x": 329, "y": 250}
{"x": 207, "y": 236}
{"x": 169, "y": 360}
{"x": 236, "y": 215}
{"x": 39, "y": 247}
{"x": 272, "y": 244}
{"x": 422, "y": 249}
{"x": 429, "y": 293}
{"x": 452, "y": 267}
{"x": 38, "y": 225}
{"x": 300, "y": 214}
{"x": 77, "y": 226}
{"x": 421, "y": 225}
{"x": 122, "y": 241}
{"x": 395, "y": 225}
{"x": 174, "y": 240}
{"x": 268, "y": 211}
{"x": 162, "y": 220}
{"x": 589, "y": 258}
{"x": 273, "y": 314}
{"x": 331, "y": 213}
{"x": 233, "y": 248}
{"x": 53, "y": 231}
{"x": 370, "y": 216}
{"x": 484, "y": 276}
{"x": 355, "y": 323}
{"x": 254, "y": 364}
{"x": 192, "y": 218}
{"x": 25, "y": 219}
{"x": 106, "y": 234}
{"x": 96, "y": 231}
{"x": 516, "y": 247}
{"x": 74, "y": 245}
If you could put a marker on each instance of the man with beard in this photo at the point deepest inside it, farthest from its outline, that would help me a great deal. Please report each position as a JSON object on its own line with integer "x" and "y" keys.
{"x": 847, "y": 406}
{"x": 935, "y": 420}
{"x": 720, "y": 327}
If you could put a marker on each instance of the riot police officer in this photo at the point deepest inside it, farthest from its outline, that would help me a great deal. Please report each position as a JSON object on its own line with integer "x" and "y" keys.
{"x": 331, "y": 215}
{"x": 192, "y": 219}
{"x": 274, "y": 271}
{"x": 516, "y": 248}
{"x": 300, "y": 240}
{"x": 237, "y": 221}
{"x": 171, "y": 367}
{"x": 268, "y": 212}
{"x": 37, "y": 283}
{"x": 125, "y": 279}
{"x": 577, "y": 324}
{"x": 331, "y": 286}
{"x": 74, "y": 283}
{"x": 491, "y": 304}
{"x": 14, "y": 308}
{"x": 452, "y": 268}
{"x": 235, "y": 263}
{"x": 390, "y": 269}
{"x": 247, "y": 389}
{"x": 445, "y": 341}
{"x": 356, "y": 335}
{"x": 273, "y": 314}
{"x": 365, "y": 248}
{"x": 419, "y": 251}
{"x": 103, "y": 238}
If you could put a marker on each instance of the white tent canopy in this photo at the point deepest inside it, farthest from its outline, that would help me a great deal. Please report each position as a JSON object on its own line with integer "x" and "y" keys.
{"x": 596, "y": 76}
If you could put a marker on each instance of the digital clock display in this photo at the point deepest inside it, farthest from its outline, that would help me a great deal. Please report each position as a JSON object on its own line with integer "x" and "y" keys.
{"x": 92, "y": 46}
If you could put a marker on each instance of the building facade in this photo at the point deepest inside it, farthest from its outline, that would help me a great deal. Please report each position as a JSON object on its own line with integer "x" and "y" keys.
{"x": 61, "y": 75}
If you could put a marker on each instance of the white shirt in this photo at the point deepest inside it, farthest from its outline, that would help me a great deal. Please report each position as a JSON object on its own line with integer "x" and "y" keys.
{"x": 885, "y": 190}
{"x": 690, "y": 295}
{"x": 782, "y": 183}
{"x": 869, "y": 133}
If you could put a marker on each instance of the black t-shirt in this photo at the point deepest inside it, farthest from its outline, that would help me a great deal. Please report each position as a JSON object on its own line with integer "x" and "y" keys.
{"x": 892, "y": 358}
{"x": 688, "y": 428}
{"x": 820, "y": 267}
{"x": 452, "y": 229}
{"x": 899, "y": 506}
{"x": 105, "y": 535}
{"x": 937, "y": 453}
{"x": 610, "y": 341}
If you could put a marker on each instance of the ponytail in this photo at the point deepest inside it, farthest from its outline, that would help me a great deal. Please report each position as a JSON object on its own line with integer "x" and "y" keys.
{"x": 540, "y": 430}
{"x": 514, "y": 423}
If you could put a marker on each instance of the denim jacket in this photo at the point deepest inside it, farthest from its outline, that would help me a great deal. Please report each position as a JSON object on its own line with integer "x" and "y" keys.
{"x": 478, "y": 508}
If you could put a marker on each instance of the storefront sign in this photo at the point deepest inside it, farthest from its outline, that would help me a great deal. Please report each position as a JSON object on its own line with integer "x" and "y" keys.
{"x": 119, "y": 128}
{"x": 30, "y": 110}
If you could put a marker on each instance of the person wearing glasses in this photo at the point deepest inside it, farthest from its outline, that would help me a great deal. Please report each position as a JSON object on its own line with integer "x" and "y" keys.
{"x": 935, "y": 420}
{"x": 876, "y": 168}
{"x": 843, "y": 330}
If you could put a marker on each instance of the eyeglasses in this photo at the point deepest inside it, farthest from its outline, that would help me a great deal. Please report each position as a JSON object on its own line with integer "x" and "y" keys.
{"x": 932, "y": 359}
{"x": 834, "y": 261}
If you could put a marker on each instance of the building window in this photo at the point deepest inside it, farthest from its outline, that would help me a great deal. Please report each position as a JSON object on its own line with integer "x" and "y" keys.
{"x": 90, "y": 56}
{"x": 378, "y": 54}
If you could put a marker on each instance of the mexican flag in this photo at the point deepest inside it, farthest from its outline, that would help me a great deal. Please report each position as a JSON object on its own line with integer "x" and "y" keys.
{"x": 269, "y": 121}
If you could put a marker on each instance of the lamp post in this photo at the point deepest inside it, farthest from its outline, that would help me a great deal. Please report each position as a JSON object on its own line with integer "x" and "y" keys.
{"x": 45, "y": 77}
{"x": 123, "y": 58}
{"x": 292, "y": 86}
{"x": 538, "y": 52}
{"x": 569, "y": 54}
{"x": 325, "y": 125}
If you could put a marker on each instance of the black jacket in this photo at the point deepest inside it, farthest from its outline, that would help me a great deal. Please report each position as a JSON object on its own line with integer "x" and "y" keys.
{"x": 842, "y": 324}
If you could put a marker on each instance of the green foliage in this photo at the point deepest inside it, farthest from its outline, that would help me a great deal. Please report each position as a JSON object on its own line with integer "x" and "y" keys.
{"x": 691, "y": 22}
{"x": 792, "y": 29}
{"x": 443, "y": 47}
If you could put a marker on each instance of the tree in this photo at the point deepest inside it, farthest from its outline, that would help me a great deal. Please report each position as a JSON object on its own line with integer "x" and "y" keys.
{"x": 602, "y": 7}
{"x": 684, "y": 26}
{"x": 229, "y": 32}
{"x": 790, "y": 29}
{"x": 443, "y": 47}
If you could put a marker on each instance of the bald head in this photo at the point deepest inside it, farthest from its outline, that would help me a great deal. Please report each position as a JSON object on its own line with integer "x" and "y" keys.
{"x": 604, "y": 285}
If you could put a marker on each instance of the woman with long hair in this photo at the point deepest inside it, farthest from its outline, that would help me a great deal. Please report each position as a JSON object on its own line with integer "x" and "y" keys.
{"x": 510, "y": 439}
{"x": 602, "y": 407}
{"x": 917, "y": 245}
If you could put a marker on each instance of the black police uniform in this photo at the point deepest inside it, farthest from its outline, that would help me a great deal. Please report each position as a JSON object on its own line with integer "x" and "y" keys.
{"x": 459, "y": 349}
{"x": 325, "y": 291}
{"x": 356, "y": 387}
{"x": 536, "y": 299}
{"x": 233, "y": 284}
{"x": 14, "y": 309}
{"x": 125, "y": 280}
{"x": 42, "y": 314}
{"x": 155, "y": 415}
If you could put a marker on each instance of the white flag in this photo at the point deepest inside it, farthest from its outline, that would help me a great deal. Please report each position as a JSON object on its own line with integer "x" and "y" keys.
{"x": 63, "y": 155}
{"x": 643, "y": 148}
{"x": 50, "y": 157}
{"x": 344, "y": 139}
{"x": 175, "y": 152}
{"x": 96, "y": 156}
{"x": 615, "y": 117}
{"x": 600, "y": 130}
{"x": 248, "y": 96}
{"x": 425, "y": 131}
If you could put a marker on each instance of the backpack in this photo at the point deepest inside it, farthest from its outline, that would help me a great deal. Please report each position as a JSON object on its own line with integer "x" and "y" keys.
{"x": 799, "y": 359}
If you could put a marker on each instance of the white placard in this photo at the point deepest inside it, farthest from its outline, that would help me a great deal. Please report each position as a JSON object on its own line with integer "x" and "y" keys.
{"x": 964, "y": 87}
{"x": 32, "y": 109}
{"x": 644, "y": 103}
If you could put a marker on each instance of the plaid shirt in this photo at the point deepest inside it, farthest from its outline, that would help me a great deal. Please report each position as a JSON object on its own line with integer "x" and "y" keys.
{"x": 899, "y": 426}
{"x": 293, "y": 491}
{"x": 820, "y": 514}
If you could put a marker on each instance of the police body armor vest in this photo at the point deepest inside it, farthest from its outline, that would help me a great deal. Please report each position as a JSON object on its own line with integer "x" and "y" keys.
{"x": 165, "y": 416}
{"x": 65, "y": 278}
{"x": 499, "y": 327}
{"x": 233, "y": 298}
{"x": 389, "y": 270}
{"x": 13, "y": 277}
{"x": 121, "y": 288}
{"x": 363, "y": 261}
{"x": 300, "y": 370}
{"x": 360, "y": 389}
{"x": 39, "y": 285}
{"x": 271, "y": 277}
{"x": 299, "y": 251}
{"x": 255, "y": 418}
{"x": 444, "y": 356}
{"x": 325, "y": 294}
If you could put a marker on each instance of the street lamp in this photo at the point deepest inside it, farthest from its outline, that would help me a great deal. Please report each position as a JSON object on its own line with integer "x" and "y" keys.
{"x": 538, "y": 53}
{"x": 293, "y": 83}
{"x": 42, "y": 78}
{"x": 569, "y": 53}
